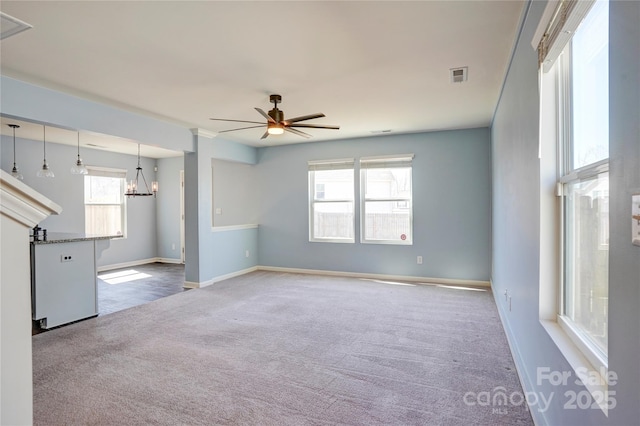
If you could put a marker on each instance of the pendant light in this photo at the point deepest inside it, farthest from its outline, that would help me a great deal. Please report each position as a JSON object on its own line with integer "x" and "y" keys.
{"x": 133, "y": 185}
{"x": 45, "y": 172}
{"x": 15, "y": 172}
{"x": 79, "y": 168}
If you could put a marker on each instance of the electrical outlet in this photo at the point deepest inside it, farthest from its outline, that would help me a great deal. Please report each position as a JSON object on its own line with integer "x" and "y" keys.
{"x": 66, "y": 258}
{"x": 173, "y": 246}
{"x": 218, "y": 210}
{"x": 246, "y": 253}
{"x": 419, "y": 260}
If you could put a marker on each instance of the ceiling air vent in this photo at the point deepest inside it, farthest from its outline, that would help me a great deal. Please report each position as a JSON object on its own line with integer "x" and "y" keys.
{"x": 459, "y": 75}
{"x": 11, "y": 26}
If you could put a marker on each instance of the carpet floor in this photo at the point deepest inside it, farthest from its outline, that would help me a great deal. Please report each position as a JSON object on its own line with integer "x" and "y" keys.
{"x": 272, "y": 348}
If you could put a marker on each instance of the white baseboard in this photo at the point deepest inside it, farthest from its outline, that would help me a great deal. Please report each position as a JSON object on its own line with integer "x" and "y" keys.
{"x": 127, "y": 264}
{"x": 168, "y": 260}
{"x": 424, "y": 280}
{"x": 191, "y": 284}
{"x": 137, "y": 262}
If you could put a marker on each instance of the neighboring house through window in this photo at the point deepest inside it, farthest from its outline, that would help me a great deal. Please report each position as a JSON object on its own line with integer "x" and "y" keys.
{"x": 386, "y": 212}
{"x": 331, "y": 201}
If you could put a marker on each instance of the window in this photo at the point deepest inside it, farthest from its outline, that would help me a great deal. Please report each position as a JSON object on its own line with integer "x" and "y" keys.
{"x": 577, "y": 74}
{"x": 104, "y": 201}
{"x": 585, "y": 182}
{"x": 331, "y": 201}
{"x": 386, "y": 200}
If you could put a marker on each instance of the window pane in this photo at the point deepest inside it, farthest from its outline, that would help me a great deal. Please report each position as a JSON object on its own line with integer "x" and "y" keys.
{"x": 334, "y": 184}
{"x": 104, "y": 205}
{"x": 587, "y": 257}
{"x": 387, "y": 220}
{"x": 102, "y": 190}
{"x": 388, "y": 183}
{"x": 590, "y": 87}
{"x": 103, "y": 219}
{"x": 333, "y": 220}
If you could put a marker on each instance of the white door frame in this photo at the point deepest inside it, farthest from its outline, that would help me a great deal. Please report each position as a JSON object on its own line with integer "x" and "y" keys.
{"x": 182, "y": 224}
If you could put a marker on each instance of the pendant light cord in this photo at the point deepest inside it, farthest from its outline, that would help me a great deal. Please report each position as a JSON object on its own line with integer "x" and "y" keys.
{"x": 14, "y": 147}
{"x": 44, "y": 142}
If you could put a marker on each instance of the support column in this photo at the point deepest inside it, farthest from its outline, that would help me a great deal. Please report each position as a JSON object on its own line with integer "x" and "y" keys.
{"x": 198, "y": 186}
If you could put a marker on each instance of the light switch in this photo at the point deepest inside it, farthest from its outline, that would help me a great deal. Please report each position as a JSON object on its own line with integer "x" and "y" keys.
{"x": 635, "y": 219}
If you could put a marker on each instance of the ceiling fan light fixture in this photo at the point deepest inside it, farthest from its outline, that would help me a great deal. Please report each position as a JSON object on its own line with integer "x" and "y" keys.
{"x": 275, "y": 129}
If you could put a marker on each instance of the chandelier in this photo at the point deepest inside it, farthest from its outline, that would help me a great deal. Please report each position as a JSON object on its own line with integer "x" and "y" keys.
{"x": 134, "y": 184}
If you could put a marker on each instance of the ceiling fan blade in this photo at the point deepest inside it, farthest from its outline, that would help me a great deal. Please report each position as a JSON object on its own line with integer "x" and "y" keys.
{"x": 265, "y": 115}
{"x": 317, "y": 126}
{"x": 265, "y": 135}
{"x": 297, "y": 132}
{"x": 236, "y": 121}
{"x": 303, "y": 117}
{"x": 241, "y": 128}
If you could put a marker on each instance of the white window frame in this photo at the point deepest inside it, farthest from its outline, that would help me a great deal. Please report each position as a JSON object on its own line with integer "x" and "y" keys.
{"x": 555, "y": 129}
{"x": 320, "y": 165}
{"x": 570, "y": 175}
{"x": 112, "y": 173}
{"x": 384, "y": 162}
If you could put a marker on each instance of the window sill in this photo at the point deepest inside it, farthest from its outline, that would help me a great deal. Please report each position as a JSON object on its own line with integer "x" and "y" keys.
{"x": 595, "y": 379}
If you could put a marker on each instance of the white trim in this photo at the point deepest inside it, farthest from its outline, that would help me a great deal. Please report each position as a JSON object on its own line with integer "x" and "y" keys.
{"x": 579, "y": 362}
{"x": 193, "y": 284}
{"x": 136, "y": 263}
{"x": 527, "y": 384}
{"x": 383, "y": 158}
{"x": 22, "y": 203}
{"x": 423, "y": 280}
{"x": 202, "y": 132}
{"x": 169, "y": 260}
{"x": 543, "y": 24}
{"x": 233, "y": 227}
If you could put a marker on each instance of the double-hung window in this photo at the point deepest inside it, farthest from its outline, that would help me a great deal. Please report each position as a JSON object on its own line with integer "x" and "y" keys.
{"x": 331, "y": 201}
{"x": 574, "y": 57}
{"x": 585, "y": 183}
{"x": 386, "y": 200}
{"x": 104, "y": 201}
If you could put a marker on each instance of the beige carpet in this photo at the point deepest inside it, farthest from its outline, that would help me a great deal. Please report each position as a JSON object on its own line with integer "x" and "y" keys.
{"x": 277, "y": 349}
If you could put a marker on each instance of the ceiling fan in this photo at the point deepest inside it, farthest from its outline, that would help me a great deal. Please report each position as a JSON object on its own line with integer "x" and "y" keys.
{"x": 276, "y": 123}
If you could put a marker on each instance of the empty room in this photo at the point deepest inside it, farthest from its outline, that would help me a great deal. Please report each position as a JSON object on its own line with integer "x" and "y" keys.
{"x": 320, "y": 212}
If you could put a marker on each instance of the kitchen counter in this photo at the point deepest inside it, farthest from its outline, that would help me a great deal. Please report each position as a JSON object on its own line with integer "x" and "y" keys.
{"x": 64, "y": 276}
{"x": 68, "y": 237}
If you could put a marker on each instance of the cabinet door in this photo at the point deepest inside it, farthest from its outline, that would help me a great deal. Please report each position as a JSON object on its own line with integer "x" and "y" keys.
{"x": 65, "y": 282}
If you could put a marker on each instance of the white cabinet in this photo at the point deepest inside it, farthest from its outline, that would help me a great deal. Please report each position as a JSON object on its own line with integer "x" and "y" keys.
{"x": 64, "y": 282}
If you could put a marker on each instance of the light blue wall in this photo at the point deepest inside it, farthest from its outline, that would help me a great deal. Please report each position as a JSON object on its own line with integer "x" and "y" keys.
{"x": 451, "y": 216}
{"x": 210, "y": 254}
{"x": 516, "y": 218}
{"x": 168, "y": 207}
{"x": 38, "y": 104}
{"x": 67, "y": 190}
{"x": 233, "y": 193}
{"x": 229, "y": 251}
{"x": 624, "y": 152}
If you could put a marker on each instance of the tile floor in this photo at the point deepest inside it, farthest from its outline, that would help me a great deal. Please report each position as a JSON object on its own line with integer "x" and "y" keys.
{"x": 124, "y": 288}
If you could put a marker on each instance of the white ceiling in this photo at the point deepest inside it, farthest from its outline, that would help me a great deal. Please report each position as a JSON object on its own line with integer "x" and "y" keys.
{"x": 368, "y": 65}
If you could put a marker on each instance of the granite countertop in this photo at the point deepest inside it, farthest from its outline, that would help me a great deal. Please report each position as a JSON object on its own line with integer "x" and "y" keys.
{"x": 68, "y": 237}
